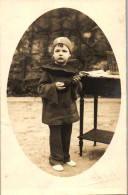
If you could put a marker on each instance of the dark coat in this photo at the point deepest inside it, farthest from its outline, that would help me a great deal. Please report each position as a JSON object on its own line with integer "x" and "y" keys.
{"x": 59, "y": 107}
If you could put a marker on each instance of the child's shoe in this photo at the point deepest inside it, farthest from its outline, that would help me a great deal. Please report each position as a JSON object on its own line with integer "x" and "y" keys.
{"x": 58, "y": 167}
{"x": 71, "y": 163}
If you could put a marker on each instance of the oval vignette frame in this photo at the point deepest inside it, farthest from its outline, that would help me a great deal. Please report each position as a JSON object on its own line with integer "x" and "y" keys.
{"x": 91, "y": 51}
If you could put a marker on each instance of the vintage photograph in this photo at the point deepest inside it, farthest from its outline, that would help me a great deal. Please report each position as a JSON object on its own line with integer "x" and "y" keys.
{"x": 64, "y": 92}
{"x": 63, "y": 97}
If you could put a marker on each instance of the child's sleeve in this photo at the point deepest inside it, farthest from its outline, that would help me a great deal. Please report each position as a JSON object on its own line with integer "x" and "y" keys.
{"x": 46, "y": 89}
{"x": 77, "y": 85}
{"x": 76, "y": 88}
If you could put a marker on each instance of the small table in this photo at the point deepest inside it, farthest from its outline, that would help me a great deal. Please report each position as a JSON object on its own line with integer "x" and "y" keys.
{"x": 108, "y": 86}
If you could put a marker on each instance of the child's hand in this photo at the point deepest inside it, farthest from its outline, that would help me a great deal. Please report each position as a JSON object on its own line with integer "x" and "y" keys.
{"x": 60, "y": 86}
{"x": 77, "y": 78}
{"x": 80, "y": 75}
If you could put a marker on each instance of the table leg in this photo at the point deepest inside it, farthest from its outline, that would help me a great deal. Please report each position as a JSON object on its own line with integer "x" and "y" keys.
{"x": 81, "y": 124}
{"x": 95, "y": 113}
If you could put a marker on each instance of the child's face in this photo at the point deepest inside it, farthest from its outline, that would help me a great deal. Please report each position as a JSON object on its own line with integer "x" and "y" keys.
{"x": 61, "y": 54}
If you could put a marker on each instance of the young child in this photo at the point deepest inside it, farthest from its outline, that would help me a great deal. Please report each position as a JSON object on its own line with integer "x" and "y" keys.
{"x": 58, "y": 88}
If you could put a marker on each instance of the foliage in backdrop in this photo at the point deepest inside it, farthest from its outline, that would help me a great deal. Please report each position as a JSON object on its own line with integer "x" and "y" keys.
{"x": 34, "y": 49}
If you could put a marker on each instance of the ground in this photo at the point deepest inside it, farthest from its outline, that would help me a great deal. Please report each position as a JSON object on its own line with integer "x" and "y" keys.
{"x": 33, "y": 136}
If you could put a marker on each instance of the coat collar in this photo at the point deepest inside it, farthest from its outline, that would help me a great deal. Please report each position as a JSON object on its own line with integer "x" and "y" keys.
{"x": 72, "y": 67}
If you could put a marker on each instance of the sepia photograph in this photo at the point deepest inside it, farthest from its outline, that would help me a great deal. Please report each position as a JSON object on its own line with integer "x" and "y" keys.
{"x": 43, "y": 76}
{"x": 64, "y": 98}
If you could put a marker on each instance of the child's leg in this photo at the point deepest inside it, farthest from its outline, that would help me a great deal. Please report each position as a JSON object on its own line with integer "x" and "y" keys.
{"x": 66, "y": 137}
{"x": 56, "y": 150}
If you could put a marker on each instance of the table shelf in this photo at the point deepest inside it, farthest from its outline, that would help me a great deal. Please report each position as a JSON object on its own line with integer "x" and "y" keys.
{"x": 102, "y": 136}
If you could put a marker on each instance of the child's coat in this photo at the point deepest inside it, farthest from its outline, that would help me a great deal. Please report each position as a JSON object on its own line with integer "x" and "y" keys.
{"x": 59, "y": 107}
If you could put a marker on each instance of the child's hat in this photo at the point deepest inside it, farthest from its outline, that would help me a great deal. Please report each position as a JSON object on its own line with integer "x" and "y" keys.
{"x": 63, "y": 40}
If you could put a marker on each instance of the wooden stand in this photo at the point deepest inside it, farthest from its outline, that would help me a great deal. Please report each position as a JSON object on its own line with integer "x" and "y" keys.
{"x": 109, "y": 87}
